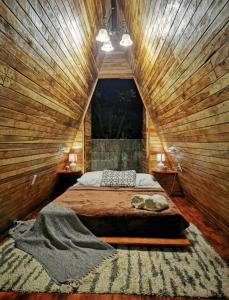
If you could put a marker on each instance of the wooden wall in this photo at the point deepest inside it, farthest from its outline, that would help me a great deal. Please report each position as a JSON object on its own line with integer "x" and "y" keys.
{"x": 181, "y": 67}
{"x": 152, "y": 145}
{"x": 155, "y": 146}
{"x": 78, "y": 147}
{"x": 115, "y": 64}
{"x": 87, "y": 140}
{"x": 47, "y": 70}
{"x": 145, "y": 142}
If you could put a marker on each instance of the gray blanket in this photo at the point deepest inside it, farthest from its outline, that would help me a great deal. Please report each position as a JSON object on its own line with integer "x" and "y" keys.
{"x": 61, "y": 243}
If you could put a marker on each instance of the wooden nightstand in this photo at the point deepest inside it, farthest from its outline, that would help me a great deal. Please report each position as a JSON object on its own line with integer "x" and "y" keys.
{"x": 169, "y": 180}
{"x": 65, "y": 180}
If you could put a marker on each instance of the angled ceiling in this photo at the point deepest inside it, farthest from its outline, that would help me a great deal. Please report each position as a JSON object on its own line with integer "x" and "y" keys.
{"x": 114, "y": 64}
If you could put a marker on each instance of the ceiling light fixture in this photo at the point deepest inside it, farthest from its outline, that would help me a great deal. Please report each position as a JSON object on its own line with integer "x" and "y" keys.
{"x": 107, "y": 47}
{"x": 126, "y": 40}
{"x": 109, "y": 29}
{"x": 103, "y": 36}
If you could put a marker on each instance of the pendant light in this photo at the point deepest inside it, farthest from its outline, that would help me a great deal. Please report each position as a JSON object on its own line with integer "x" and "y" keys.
{"x": 107, "y": 47}
{"x": 126, "y": 40}
{"x": 108, "y": 28}
{"x": 103, "y": 36}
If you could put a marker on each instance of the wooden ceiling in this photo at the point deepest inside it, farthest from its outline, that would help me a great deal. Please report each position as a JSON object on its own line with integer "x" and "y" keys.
{"x": 48, "y": 57}
{"x": 115, "y": 64}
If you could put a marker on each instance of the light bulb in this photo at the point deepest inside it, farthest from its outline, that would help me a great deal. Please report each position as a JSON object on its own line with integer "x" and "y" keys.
{"x": 126, "y": 40}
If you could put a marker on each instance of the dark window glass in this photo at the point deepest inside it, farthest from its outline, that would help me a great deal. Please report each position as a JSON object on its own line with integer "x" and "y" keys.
{"x": 116, "y": 110}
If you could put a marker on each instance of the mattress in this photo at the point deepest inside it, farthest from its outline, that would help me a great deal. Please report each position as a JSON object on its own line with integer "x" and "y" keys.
{"x": 108, "y": 212}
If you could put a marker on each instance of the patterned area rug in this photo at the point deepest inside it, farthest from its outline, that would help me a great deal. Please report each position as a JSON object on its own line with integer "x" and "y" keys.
{"x": 197, "y": 271}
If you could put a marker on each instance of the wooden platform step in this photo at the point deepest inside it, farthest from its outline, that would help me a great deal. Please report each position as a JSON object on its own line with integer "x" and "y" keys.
{"x": 182, "y": 241}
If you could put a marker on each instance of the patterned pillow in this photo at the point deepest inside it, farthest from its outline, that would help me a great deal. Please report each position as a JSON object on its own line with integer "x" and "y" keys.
{"x": 118, "y": 178}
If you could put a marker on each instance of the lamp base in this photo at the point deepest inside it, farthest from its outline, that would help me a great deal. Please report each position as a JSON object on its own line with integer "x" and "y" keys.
{"x": 161, "y": 166}
{"x": 72, "y": 166}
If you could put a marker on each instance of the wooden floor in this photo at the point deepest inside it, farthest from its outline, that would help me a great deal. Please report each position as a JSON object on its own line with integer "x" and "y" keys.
{"x": 216, "y": 237}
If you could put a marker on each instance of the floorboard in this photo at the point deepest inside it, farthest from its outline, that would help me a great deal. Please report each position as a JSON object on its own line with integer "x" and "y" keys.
{"x": 214, "y": 234}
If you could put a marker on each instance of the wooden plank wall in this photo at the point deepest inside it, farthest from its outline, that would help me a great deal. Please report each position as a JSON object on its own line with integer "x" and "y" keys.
{"x": 145, "y": 143}
{"x": 115, "y": 64}
{"x": 181, "y": 66}
{"x": 78, "y": 147}
{"x": 47, "y": 70}
{"x": 152, "y": 145}
{"x": 87, "y": 140}
{"x": 155, "y": 146}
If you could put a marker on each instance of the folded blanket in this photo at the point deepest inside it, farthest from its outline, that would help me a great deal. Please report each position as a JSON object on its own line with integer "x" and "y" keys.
{"x": 61, "y": 243}
{"x": 155, "y": 202}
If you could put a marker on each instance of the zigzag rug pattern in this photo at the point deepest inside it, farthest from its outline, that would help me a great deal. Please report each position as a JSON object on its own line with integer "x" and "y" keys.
{"x": 196, "y": 271}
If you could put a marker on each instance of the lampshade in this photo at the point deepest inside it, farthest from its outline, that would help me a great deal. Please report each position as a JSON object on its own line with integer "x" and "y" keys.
{"x": 175, "y": 152}
{"x": 103, "y": 36}
{"x": 160, "y": 157}
{"x": 107, "y": 47}
{"x": 126, "y": 40}
{"x": 172, "y": 149}
{"x": 72, "y": 157}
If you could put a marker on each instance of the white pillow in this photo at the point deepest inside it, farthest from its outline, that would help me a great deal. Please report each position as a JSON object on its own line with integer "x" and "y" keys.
{"x": 91, "y": 178}
{"x": 143, "y": 179}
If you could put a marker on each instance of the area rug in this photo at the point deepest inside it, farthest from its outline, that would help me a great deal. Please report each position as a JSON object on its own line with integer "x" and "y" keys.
{"x": 196, "y": 271}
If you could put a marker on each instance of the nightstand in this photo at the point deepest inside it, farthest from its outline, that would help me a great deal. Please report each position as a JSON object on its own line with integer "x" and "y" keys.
{"x": 65, "y": 180}
{"x": 169, "y": 180}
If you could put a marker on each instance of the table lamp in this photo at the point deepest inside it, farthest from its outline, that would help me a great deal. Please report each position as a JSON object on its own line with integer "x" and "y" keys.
{"x": 160, "y": 158}
{"x": 72, "y": 159}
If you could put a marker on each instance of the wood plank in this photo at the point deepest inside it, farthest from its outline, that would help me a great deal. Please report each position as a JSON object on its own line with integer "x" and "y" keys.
{"x": 41, "y": 39}
{"x": 206, "y": 38}
{"x": 181, "y": 242}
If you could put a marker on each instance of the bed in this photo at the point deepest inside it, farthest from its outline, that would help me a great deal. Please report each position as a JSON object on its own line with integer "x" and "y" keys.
{"x": 107, "y": 212}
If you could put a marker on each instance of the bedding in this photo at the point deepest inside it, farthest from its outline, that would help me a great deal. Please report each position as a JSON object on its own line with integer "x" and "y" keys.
{"x": 143, "y": 179}
{"x": 107, "y": 211}
{"x": 154, "y": 202}
{"x": 61, "y": 243}
{"x": 91, "y": 178}
{"x": 95, "y": 178}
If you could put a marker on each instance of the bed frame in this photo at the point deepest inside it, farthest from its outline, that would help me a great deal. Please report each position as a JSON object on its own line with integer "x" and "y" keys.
{"x": 181, "y": 241}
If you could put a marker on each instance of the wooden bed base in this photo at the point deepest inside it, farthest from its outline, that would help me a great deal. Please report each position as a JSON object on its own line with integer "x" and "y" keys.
{"x": 181, "y": 241}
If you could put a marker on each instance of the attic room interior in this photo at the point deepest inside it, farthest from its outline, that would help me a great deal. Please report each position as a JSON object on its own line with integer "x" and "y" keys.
{"x": 114, "y": 153}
